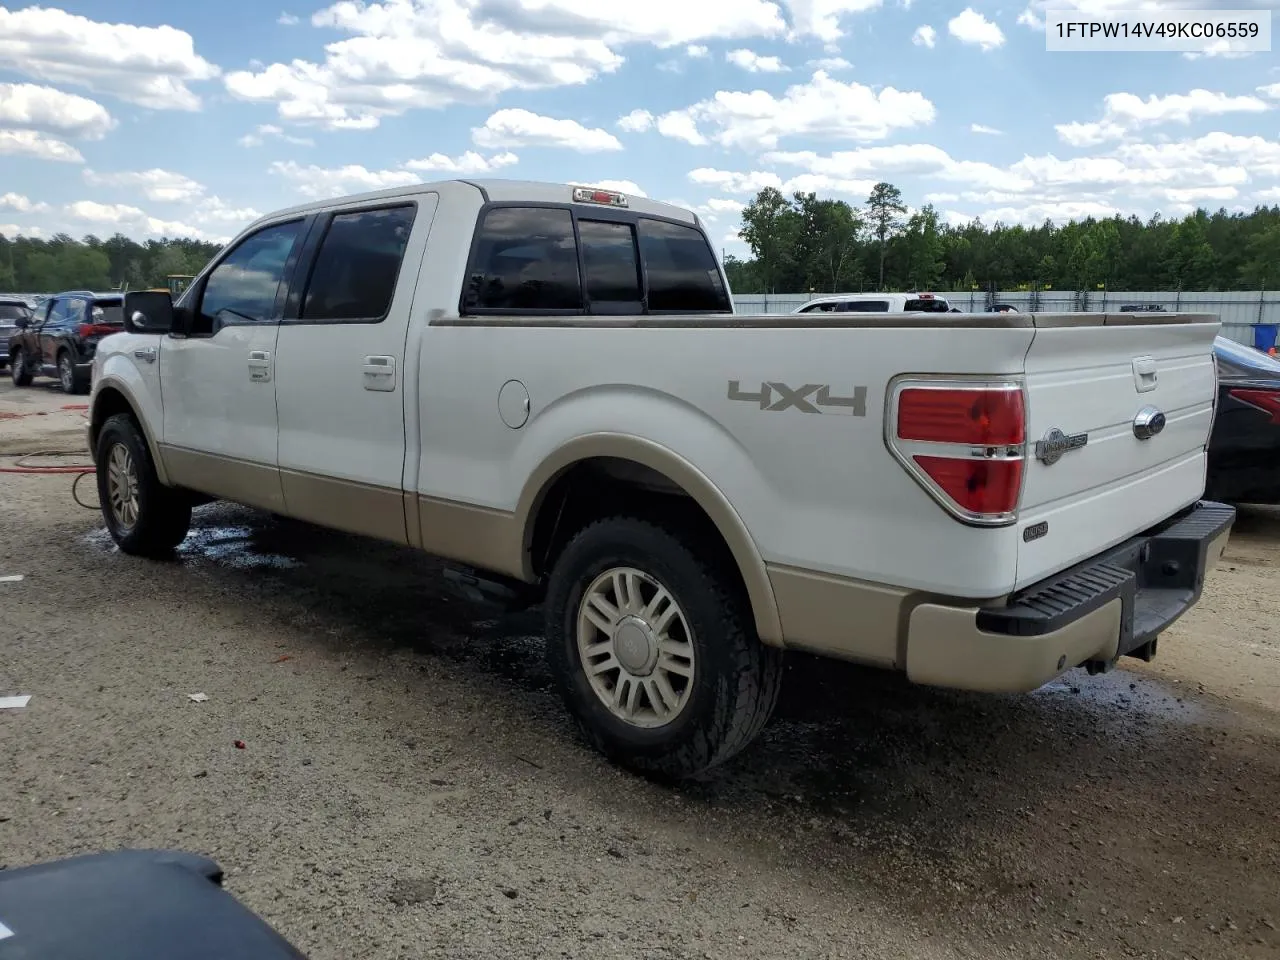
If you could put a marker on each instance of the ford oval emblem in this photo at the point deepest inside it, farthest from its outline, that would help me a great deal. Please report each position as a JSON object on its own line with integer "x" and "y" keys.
{"x": 1148, "y": 422}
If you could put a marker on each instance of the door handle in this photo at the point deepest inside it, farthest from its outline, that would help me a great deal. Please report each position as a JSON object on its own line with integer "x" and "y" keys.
{"x": 259, "y": 365}
{"x": 146, "y": 353}
{"x": 1144, "y": 374}
{"x": 380, "y": 374}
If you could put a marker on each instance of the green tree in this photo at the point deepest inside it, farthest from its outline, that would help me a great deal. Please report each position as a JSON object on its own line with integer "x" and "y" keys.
{"x": 924, "y": 249}
{"x": 827, "y": 244}
{"x": 771, "y": 228}
{"x": 884, "y": 211}
{"x": 1262, "y": 259}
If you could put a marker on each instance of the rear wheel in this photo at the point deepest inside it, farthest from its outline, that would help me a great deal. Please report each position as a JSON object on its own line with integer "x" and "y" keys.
{"x": 654, "y": 649}
{"x": 68, "y": 379}
{"x": 18, "y": 369}
{"x": 144, "y": 516}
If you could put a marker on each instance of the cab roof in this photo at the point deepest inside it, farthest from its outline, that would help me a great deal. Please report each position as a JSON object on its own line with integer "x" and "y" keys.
{"x": 534, "y": 191}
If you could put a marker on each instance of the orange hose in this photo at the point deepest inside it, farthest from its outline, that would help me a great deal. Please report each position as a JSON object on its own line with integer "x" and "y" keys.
{"x": 48, "y": 469}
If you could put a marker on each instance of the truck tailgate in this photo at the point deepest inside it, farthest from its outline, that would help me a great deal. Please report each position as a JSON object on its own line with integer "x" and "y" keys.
{"x": 1092, "y": 481}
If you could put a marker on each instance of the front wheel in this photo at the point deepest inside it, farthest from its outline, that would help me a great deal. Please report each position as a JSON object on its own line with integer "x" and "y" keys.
{"x": 144, "y": 516}
{"x": 654, "y": 649}
{"x": 18, "y": 369}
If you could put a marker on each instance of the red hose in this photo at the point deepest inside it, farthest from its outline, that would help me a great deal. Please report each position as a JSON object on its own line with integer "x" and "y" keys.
{"x": 48, "y": 469}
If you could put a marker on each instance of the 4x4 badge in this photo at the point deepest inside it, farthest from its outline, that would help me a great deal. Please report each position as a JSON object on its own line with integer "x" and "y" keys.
{"x": 1055, "y": 443}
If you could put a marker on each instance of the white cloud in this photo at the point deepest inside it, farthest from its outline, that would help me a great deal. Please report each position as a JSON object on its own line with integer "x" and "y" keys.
{"x": 287, "y": 20}
{"x": 753, "y": 62}
{"x": 696, "y": 50}
{"x": 521, "y": 128}
{"x": 822, "y": 108}
{"x": 969, "y": 26}
{"x": 984, "y": 129}
{"x": 637, "y": 121}
{"x": 21, "y": 204}
{"x": 918, "y": 159}
{"x": 467, "y": 164}
{"x": 44, "y": 108}
{"x": 402, "y": 55}
{"x": 149, "y": 66}
{"x": 325, "y": 182}
{"x": 1271, "y": 90}
{"x": 680, "y": 125}
{"x": 217, "y": 210}
{"x": 128, "y": 219}
{"x": 1034, "y": 214}
{"x": 162, "y": 186}
{"x": 1226, "y": 49}
{"x": 821, "y": 18}
{"x": 753, "y": 182}
{"x": 29, "y": 143}
{"x": 1270, "y": 195}
{"x": 1124, "y": 112}
{"x": 266, "y": 131}
{"x": 1029, "y": 18}
{"x": 925, "y": 36}
{"x": 830, "y": 64}
{"x": 618, "y": 186}
{"x": 14, "y": 230}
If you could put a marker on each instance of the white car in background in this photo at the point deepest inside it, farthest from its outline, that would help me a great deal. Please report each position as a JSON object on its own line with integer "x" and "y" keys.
{"x": 877, "y": 303}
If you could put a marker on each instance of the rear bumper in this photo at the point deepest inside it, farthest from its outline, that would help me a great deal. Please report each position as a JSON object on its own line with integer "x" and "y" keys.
{"x": 1115, "y": 604}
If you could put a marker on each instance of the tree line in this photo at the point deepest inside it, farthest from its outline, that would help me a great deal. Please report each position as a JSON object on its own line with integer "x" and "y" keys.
{"x": 803, "y": 243}
{"x": 31, "y": 265}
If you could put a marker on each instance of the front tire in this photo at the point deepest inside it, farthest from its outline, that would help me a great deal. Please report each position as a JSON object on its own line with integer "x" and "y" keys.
{"x": 144, "y": 517}
{"x": 18, "y": 369}
{"x": 654, "y": 650}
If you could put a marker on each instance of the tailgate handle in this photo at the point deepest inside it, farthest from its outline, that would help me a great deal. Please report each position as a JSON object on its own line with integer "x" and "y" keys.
{"x": 1144, "y": 373}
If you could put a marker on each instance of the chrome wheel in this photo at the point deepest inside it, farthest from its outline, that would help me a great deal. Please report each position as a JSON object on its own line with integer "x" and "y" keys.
{"x": 66, "y": 374}
{"x": 636, "y": 647}
{"x": 122, "y": 486}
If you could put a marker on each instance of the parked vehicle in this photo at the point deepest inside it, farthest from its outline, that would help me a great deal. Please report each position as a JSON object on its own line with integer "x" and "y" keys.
{"x": 1244, "y": 450}
{"x": 547, "y": 386}
{"x": 877, "y": 303}
{"x": 1142, "y": 308}
{"x": 11, "y": 311}
{"x": 63, "y": 337}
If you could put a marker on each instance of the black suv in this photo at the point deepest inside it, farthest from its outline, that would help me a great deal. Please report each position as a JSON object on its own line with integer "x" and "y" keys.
{"x": 11, "y": 311}
{"x": 61, "y": 339}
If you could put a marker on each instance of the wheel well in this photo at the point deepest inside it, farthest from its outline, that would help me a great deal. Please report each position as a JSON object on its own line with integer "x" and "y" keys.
{"x": 108, "y": 403}
{"x": 600, "y": 487}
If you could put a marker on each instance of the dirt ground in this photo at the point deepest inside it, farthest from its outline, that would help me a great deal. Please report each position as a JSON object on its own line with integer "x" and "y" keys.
{"x": 410, "y": 786}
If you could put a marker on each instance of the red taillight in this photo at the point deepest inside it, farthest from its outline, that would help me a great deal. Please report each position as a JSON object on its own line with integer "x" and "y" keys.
{"x": 977, "y": 486}
{"x": 961, "y": 415}
{"x": 97, "y": 329}
{"x": 1267, "y": 401}
{"x": 965, "y": 443}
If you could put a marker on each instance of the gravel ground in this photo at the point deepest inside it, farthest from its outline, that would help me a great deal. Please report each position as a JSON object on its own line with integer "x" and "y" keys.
{"x": 410, "y": 787}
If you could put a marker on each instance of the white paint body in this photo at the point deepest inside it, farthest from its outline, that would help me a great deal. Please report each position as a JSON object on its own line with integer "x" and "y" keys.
{"x": 822, "y": 493}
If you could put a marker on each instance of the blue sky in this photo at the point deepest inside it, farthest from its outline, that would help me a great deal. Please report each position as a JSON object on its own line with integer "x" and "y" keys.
{"x": 160, "y": 118}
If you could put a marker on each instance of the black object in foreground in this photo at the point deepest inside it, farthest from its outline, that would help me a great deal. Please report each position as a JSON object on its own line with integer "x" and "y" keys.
{"x": 130, "y": 905}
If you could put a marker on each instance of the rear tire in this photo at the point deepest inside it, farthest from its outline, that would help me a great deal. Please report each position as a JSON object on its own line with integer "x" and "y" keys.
{"x": 18, "y": 369}
{"x": 680, "y": 682}
{"x": 70, "y": 381}
{"x": 144, "y": 517}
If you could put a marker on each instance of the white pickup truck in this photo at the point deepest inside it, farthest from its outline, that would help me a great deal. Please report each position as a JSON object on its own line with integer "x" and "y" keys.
{"x": 547, "y": 386}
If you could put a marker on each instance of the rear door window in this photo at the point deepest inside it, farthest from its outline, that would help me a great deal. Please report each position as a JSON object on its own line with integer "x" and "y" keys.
{"x": 357, "y": 265}
{"x": 525, "y": 258}
{"x": 13, "y": 311}
{"x": 931, "y": 305}
{"x": 682, "y": 273}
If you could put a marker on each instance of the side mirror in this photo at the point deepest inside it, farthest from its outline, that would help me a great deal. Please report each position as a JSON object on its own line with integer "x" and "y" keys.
{"x": 22, "y": 323}
{"x": 148, "y": 311}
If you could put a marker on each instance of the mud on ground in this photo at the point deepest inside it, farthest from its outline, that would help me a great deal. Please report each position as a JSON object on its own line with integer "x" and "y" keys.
{"x": 410, "y": 787}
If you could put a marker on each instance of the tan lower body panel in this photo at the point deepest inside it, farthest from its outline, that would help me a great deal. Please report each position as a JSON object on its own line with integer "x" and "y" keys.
{"x": 838, "y": 617}
{"x": 477, "y": 536}
{"x": 253, "y": 484}
{"x": 345, "y": 505}
{"x": 945, "y": 648}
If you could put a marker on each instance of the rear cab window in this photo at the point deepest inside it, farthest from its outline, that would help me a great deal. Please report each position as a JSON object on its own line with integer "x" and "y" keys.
{"x": 864, "y": 306}
{"x": 549, "y": 259}
{"x": 926, "y": 305}
{"x": 107, "y": 312}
